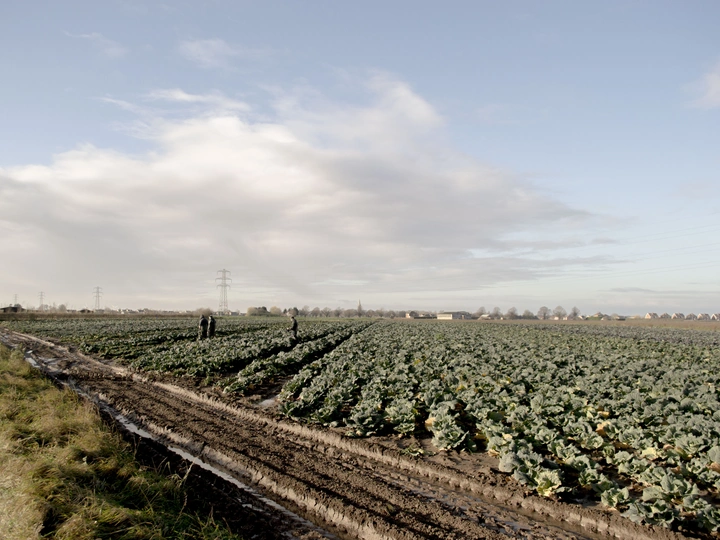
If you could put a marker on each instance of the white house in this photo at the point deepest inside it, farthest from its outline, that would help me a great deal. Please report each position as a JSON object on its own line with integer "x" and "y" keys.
{"x": 677, "y": 316}
{"x": 715, "y": 317}
{"x": 651, "y": 316}
{"x": 450, "y": 315}
{"x": 703, "y": 317}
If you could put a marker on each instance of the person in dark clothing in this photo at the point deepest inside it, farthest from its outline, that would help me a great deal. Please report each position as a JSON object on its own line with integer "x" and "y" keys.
{"x": 293, "y": 328}
{"x": 211, "y": 326}
{"x": 203, "y": 326}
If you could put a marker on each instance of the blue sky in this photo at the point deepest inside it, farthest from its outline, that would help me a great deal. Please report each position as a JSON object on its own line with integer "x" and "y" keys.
{"x": 408, "y": 154}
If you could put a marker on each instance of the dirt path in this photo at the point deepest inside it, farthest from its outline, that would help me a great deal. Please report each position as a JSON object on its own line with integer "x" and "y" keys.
{"x": 349, "y": 488}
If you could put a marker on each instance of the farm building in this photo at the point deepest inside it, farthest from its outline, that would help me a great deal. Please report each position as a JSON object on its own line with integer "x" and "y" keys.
{"x": 703, "y": 317}
{"x": 665, "y": 316}
{"x": 17, "y": 308}
{"x": 450, "y": 315}
{"x": 690, "y": 317}
{"x": 715, "y": 317}
{"x": 677, "y": 316}
{"x": 651, "y": 316}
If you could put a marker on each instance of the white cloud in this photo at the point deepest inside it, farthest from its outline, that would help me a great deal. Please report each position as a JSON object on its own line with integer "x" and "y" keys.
{"x": 106, "y": 46}
{"x": 215, "y": 100}
{"x": 217, "y": 53}
{"x": 305, "y": 206}
{"x": 707, "y": 89}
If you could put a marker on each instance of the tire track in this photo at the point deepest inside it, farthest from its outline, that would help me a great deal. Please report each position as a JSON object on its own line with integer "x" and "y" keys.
{"x": 330, "y": 481}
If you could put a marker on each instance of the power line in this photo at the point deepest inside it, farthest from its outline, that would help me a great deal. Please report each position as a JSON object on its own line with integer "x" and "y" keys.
{"x": 224, "y": 285}
{"x": 97, "y": 293}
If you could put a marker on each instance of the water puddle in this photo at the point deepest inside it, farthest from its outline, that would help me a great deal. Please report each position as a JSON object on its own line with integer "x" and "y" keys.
{"x": 268, "y": 402}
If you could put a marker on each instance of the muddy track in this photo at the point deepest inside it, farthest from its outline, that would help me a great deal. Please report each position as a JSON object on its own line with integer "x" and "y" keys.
{"x": 351, "y": 488}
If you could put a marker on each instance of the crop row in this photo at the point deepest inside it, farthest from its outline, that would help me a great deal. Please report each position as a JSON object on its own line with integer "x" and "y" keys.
{"x": 263, "y": 370}
{"x": 232, "y": 352}
{"x": 635, "y": 422}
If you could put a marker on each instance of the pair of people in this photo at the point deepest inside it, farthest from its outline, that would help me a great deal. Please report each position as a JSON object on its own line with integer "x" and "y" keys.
{"x": 206, "y": 327}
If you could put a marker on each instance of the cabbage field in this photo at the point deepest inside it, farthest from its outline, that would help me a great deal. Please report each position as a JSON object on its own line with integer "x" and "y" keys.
{"x": 628, "y": 416}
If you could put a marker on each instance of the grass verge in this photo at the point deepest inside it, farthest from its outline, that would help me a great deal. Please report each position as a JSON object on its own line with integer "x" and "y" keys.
{"x": 64, "y": 474}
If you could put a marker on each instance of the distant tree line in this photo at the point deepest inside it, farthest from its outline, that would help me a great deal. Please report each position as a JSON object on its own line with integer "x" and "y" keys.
{"x": 544, "y": 313}
{"x": 338, "y": 312}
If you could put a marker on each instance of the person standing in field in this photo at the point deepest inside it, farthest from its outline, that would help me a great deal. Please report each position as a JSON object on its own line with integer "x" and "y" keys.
{"x": 203, "y": 327}
{"x": 293, "y": 327}
{"x": 211, "y": 326}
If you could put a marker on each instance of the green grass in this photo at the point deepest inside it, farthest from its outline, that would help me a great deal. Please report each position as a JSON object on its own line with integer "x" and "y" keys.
{"x": 65, "y": 475}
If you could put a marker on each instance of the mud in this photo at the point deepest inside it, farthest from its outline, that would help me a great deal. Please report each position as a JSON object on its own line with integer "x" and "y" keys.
{"x": 349, "y": 488}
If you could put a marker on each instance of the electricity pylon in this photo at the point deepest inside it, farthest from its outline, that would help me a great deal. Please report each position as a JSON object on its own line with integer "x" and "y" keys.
{"x": 224, "y": 285}
{"x": 97, "y": 293}
{"x": 42, "y": 300}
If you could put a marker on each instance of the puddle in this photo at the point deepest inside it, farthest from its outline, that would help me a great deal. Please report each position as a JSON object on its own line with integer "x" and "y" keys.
{"x": 268, "y": 402}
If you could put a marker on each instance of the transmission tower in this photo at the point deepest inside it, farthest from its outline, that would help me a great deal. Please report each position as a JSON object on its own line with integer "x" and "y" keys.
{"x": 224, "y": 285}
{"x": 97, "y": 293}
{"x": 15, "y": 303}
{"x": 41, "y": 296}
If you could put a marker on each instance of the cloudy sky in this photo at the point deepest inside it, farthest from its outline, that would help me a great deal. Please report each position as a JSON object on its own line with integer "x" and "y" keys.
{"x": 408, "y": 154}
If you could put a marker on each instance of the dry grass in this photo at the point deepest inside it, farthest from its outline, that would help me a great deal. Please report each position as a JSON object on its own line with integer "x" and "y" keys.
{"x": 65, "y": 475}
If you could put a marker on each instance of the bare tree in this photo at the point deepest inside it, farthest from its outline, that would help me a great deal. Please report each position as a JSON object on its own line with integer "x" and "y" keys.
{"x": 544, "y": 313}
{"x": 315, "y": 312}
{"x": 559, "y": 312}
{"x": 527, "y": 314}
{"x": 480, "y": 312}
{"x": 326, "y": 312}
{"x": 496, "y": 313}
{"x": 574, "y": 313}
{"x": 511, "y": 313}
{"x": 274, "y": 310}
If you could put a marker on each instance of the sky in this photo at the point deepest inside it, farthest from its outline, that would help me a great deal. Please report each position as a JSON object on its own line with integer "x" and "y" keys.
{"x": 405, "y": 154}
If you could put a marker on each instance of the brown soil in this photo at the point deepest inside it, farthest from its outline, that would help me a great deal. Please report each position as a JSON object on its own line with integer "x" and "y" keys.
{"x": 349, "y": 488}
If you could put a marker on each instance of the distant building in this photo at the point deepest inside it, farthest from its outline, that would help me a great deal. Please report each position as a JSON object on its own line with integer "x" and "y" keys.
{"x": 451, "y": 315}
{"x": 665, "y": 316}
{"x": 715, "y": 317}
{"x": 690, "y": 317}
{"x": 17, "y": 308}
{"x": 419, "y": 315}
{"x": 677, "y": 316}
{"x": 703, "y": 317}
{"x": 651, "y": 316}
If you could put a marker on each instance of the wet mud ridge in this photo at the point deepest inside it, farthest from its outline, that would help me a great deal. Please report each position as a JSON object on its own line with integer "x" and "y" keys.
{"x": 312, "y": 483}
